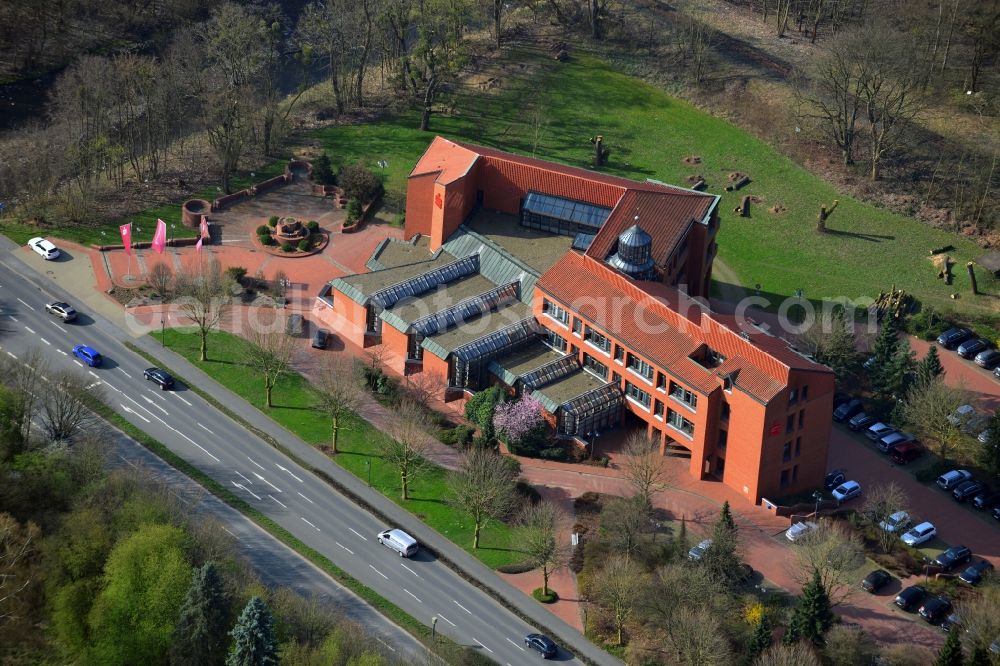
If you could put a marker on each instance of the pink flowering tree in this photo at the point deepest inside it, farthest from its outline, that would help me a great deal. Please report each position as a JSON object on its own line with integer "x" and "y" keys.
{"x": 516, "y": 420}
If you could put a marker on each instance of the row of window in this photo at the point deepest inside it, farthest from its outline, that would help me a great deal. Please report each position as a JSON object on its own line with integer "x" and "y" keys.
{"x": 790, "y": 421}
{"x": 786, "y": 450}
{"x": 796, "y": 394}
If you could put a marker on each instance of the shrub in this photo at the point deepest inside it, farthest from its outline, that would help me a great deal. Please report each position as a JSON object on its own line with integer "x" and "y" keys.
{"x": 526, "y": 490}
{"x": 541, "y": 597}
{"x": 263, "y": 229}
{"x": 932, "y": 472}
{"x": 513, "y": 421}
{"x": 313, "y": 225}
{"x": 480, "y": 407}
{"x": 304, "y": 245}
{"x": 460, "y": 435}
{"x": 273, "y": 221}
{"x": 927, "y": 324}
{"x": 516, "y": 567}
{"x": 399, "y": 220}
{"x": 554, "y": 453}
{"x": 266, "y": 239}
{"x": 322, "y": 172}
{"x": 353, "y": 210}
{"x": 236, "y": 273}
{"x": 358, "y": 182}
{"x": 287, "y": 247}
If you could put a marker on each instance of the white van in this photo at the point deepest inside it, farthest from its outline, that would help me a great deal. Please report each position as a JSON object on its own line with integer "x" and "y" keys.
{"x": 399, "y": 541}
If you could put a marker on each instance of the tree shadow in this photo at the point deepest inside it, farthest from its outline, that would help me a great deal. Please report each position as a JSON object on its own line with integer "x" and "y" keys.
{"x": 871, "y": 238}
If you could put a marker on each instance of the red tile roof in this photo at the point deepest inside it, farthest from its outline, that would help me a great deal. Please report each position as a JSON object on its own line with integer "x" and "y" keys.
{"x": 447, "y": 158}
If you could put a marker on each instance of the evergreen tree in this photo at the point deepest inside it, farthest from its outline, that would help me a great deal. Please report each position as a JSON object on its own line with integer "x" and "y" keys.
{"x": 951, "y": 651}
{"x": 900, "y": 374}
{"x": 760, "y": 639}
{"x": 721, "y": 558}
{"x": 979, "y": 657}
{"x": 929, "y": 366}
{"x": 254, "y": 643}
{"x": 726, "y": 517}
{"x": 884, "y": 355}
{"x": 812, "y": 617}
{"x": 989, "y": 452}
{"x": 838, "y": 350}
{"x": 200, "y": 634}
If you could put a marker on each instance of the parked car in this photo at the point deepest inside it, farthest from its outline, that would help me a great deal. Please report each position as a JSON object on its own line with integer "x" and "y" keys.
{"x": 975, "y": 424}
{"x": 62, "y": 310}
{"x": 47, "y": 250}
{"x": 697, "y": 552}
{"x": 922, "y": 533}
{"x": 839, "y": 398}
{"x": 88, "y": 355}
{"x": 319, "y": 338}
{"x": 905, "y": 453}
{"x": 860, "y": 421}
{"x": 988, "y": 359}
{"x": 967, "y": 490}
{"x": 935, "y": 609}
{"x": 293, "y": 325}
{"x": 953, "y": 557}
{"x": 159, "y": 377}
{"x": 896, "y": 523}
{"x": 996, "y": 372}
{"x": 953, "y": 337}
{"x": 834, "y": 478}
{"x": 892, "y": 440}
{"x": 879, "y": 430}
{"x": 986, "y": 499}
{"x": 984, "y": 437}
{"x": 949, "y": 480}
{"x": 541, "y": 644}
{"x": 800, "y": 530}
{"x": 847, "y": 410}
{"x": 970, "y": 348}
{"x": 846, "y": 491}
{"x": 974, "y": 574}
{"x": 910, "y": 598}
{"x": 960, "y": 414}
{"x": 953, "y": 621}
{"x": 876, "y": 580}
{"x": 996, "y": 512}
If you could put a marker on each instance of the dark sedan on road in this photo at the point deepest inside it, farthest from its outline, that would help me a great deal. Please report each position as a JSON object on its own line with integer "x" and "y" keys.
{"x": 967, "y": 490}
{"x": 986, "y": 499}
{"x": 876, "y": 580}
{"x": 935, "y": 609}
{"x": 860, "y": 421}
{"x": 319, "y": 338}
{"x": 542, "y": 644}
{"x": 954, "y": 336}
{"x": 988, "y": 359}
{"x": 834, "y": 478}
{"x": 911, "y": 597}
{"x": 159, "y": 377}
{"x": 847, "y": 410}
{"x": 970, "y": 348}
{"x": 974, "y": 574}
{"x": 952, "y": 557}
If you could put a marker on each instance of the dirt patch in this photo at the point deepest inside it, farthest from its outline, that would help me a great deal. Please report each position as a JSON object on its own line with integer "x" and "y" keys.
{"x": 754, "y": 199}
{"x": 692, "y": 160}
{"x": 693, "y": 179}
{"x": 735, "y": 176}
{"x": 777, "y": 209}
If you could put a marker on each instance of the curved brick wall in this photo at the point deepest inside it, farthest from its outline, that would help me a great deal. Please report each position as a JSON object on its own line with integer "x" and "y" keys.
{"x": 192, "y": 210}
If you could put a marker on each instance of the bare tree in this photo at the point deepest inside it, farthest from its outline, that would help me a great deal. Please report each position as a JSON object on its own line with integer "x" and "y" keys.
{"x": 439, "y": 53}
{"x": 268, "y": 352}
{"x": 836, "y": 554}
{"x": 646, "y": 470}
{"x": 538, "y": 537}
{"x": 63, "y": 410}
{"x": 624, "y": 521}
{"x": 424, "y": 387}
{"x": 484, "y": 487}
{"x": 26, "y": 377}
{"x": 926, "y": 409}
{"x": 797, "y": 654}
{"x": 407, "y": 443}
{"x": 203, "y": 297}
{"x": 339, "y": 393}
{"x": 881, "y": 501}
{"x": 981, "y": 615}
{"x": 849, "y": 646}
{"x": 18, "y": 546}
{"x": 159, "y": 278}
{"x": 696, "y": 638}
{"x": 618, "y": 586}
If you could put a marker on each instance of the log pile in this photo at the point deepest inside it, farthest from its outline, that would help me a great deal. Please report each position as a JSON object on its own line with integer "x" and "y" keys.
{"x": 895, "y": 303}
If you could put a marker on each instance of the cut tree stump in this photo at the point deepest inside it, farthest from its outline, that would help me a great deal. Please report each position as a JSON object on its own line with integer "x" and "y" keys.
{"x": 699, "y": 184}
{"x": 735, "y": 185}
{"x": 744, "y": 208}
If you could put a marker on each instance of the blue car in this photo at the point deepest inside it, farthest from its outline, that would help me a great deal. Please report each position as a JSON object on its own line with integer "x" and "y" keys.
{"x": 954, "y": 337}
{"x": 88, "y": 355}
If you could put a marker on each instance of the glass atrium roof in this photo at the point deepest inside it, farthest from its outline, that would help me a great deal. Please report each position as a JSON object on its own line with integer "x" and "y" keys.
{"x": 566, "y": 209}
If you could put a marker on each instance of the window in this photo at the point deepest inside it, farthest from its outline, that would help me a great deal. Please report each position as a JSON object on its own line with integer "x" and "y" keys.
{"x": 577, "y": 325}
{"x": 680, "y": 423}
{"x": 725, "y": 412}
{"x": 723, "y": 440}
{"x": 414, "y": 352}
{"x": 597, "y": 339}
{"x": 793, "y": 396}
{"x": 640, "y": 367}
{"x": 556, "y": 312}
{"x": 595, "y": 366}
{"x": 678, "y": 392}
{"x": 637, "y": 394}
{"x": 798, "y": 446}
{"x": 784, "y": 478}
{"x": 795, "y": 473}
{"x": 802, "y": 418}
{"x": 786, "y": 452}
{"x": 658, "y": 409}
{"x": 805, "y": 392}
{"x": 661, "y": 381}
{"x": 619, "y": 353}
{"x": 790, "y": 423}
{"x": 555, "y": 341}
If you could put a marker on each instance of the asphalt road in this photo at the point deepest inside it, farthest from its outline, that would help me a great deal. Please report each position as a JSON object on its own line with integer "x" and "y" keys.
{"x": 304, "y": 504}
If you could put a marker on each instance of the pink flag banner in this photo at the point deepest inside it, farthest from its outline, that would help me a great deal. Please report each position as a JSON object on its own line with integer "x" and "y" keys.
{"x": 204, "y": 227}
{"x": 126, "y": 231}
{"x": 160, "y": 237}
{"x": 197, "y": 246}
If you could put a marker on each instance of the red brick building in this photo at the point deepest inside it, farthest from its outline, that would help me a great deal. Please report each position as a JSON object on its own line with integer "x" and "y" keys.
{"x": 581, "y": 289}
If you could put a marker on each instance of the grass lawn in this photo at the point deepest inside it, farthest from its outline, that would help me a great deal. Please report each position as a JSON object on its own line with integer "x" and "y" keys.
{"x": 291, "y": 398}
{"x": 650, "y": 133}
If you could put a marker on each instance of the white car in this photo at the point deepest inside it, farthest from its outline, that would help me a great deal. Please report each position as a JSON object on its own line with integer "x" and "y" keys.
{"x": 896, "y": 523}
{"x": 47, "y": 250}
{"x": 961, "y": 414}
{"x": 920, "y": 534}
{"x": 800, "y": 530}
{"x": 847, "y": 490}
{"x": 697, "y": 552}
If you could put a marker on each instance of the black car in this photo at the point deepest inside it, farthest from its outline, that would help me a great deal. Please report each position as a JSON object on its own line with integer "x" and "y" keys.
{"x": 861, "y": 421}
{"x": 62, "y": 310}
{"x": 540, "y": 643}
{"x": 159, "y": 377}
{"x": 970, "y": 348}
{"x": 935, "y": 609}
{"x": 967, "y": 490}
{"x": 834, "y": 478}
{"x": 952, "y": 557}
{"x": 847, "y": 410}
{"x": 876, "y": 580}
{"x": 953, "y": 337}
{"x": 319, "y": 338}
{"x": 911, "y": 597}
{"x": 988, "y": 359}
{"x": 974, "y": 574}
{"x": 986, "y": 499}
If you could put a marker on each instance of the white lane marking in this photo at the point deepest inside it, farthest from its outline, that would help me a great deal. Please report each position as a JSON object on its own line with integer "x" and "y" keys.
{"x": 242, "y": 487}
{"x": 230, "y": 533}
{"x": 12, "y": 317}
{"x": 121, "y": 370}
{"x": 158, "y": 394}
{"x": 447, "y": 620}
{"x": 62, "y": 352}
{"x": 129, "y": 410}
{"x": 253, "y": 461}
{"x": 358, "y": 533}
{"x": 78, "y": 363}
{"x": 205, "y": 429}
{"x": 45, "y": 341}
{"x": 165, "y": 412}
{"x": 476, "y": 640}
{"x": 285, "y": 469}
{"x": 11, "y": 355}
{"x": 88, "y": 386}
{"x": 410, "y": 570}
{"x": 309, "y": 524}
{"x": 378, "y": 572}
{"x": 412, "y": 595}
{"x": 305, "y": 498}
{"x": 30, "y": 307}
{"x": 462, "y": 607}
{"x": 344, "y": 547}
{"x": 278, "y": 501}
{"x": 93, "y": 374}
{"x": 183, "y": 400}
{"x": 128, "y": 461}
{"x": 206, "y": 451}
{"x": 267, "y": 482}
{"x": 384, "y": 644}
{"x": 58, "y": 326}
{"x": 515, "y": 644}
{"x": 30, "y": 330}
{"x": 243, "y": 477}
